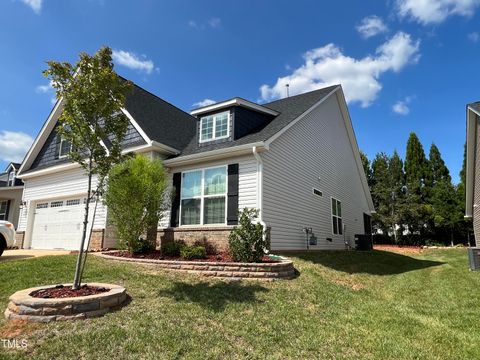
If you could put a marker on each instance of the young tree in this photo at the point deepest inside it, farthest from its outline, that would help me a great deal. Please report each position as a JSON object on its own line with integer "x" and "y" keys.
{"x": 93, "y": 96}
{"x": 136, "y": 197}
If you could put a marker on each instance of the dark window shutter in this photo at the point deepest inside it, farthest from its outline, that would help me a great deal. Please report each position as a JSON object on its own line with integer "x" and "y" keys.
{"x": 175, "y": 213}
{"x": 58, "y": 140}
{"x": 232, "y": 195}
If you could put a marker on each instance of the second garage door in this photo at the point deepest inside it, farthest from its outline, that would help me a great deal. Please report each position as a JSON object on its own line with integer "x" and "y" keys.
{"x": 58, "y": 224}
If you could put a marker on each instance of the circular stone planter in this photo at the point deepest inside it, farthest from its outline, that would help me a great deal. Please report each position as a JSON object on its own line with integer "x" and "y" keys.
{"x": 262, "y": 271}
{"x": 22, "y": 306}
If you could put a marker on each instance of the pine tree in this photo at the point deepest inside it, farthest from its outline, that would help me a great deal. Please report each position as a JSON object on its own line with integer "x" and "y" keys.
{"x": 464, "y": 226}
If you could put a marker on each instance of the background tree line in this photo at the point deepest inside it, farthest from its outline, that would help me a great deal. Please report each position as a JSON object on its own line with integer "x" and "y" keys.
{"x": 415, "y": 199}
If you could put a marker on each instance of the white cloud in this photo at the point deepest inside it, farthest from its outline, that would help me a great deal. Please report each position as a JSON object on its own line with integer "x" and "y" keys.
{"x": 371, "y": 26}
{"x": 35, "y": 5}
{"x": 204, "y": 102}
{"x": 43, "y": 89}
{"x": 327, "y": 65}
{"x": 435, "y": 11}
{"x": 474, "y": 36}
{"x": 213, "y": 23}
{"x": 132, "y": 61}
{"x": 14, "y": 145}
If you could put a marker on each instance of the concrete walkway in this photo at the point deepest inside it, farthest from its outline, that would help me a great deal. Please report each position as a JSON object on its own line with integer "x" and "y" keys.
{"x": 30, "y": 253}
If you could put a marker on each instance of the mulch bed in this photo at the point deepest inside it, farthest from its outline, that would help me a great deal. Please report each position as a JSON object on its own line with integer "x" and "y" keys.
{"x": 401, "y": 249}
{"x": 157, "y": 255}
{"x": 60, "y": 291}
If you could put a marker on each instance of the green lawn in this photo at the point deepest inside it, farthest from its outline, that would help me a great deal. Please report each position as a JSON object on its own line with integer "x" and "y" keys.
{"x": 352, "y": 305}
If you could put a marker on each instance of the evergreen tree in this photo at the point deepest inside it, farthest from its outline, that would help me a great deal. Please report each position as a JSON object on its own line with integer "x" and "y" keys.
{"x": 366, "y": 167}
{"x": 397, "y": 190}
{"x": 416, "y": 212}
{"x": 380, "y": 190}
{"x": 438, "y": 169}
{"x": 464, "y": 226}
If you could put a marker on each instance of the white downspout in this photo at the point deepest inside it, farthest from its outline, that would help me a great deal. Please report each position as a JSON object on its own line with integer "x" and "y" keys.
{"x": 259, "y": 188}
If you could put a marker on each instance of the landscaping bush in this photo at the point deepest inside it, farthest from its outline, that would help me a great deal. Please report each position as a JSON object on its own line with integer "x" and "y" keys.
{"x": 247, "y": 242}
{"x": 210, "y": 248}
{"x": 193, "y": 252}
{"x": 137, "y": 195}
{"x": 171, "y": 248}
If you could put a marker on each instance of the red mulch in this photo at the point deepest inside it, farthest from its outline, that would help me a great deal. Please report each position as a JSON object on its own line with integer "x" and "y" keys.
{"x": 401, "y": 249}
{"x": 61, "y": 291}
{"x": 157, "y": 255}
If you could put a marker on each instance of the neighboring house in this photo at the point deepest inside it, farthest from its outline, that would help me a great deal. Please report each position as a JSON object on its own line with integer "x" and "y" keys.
{"x": 11, "y": 189}
{"x": 472, "y": 208}
{"x": 295, "y": 159}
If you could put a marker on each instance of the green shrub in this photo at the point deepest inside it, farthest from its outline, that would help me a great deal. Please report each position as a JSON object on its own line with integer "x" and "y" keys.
{"x": 193, "y": 252}
{"x": 248, "y": 241}
{"x": 210, "y": 248}
{"x": 171, "y": 248}
{"x": 142, "y": 245}
{"x": 136, "y": 197}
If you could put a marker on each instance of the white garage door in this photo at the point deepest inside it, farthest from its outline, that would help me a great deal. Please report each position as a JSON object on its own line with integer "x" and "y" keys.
{"x": 58, "y": 224}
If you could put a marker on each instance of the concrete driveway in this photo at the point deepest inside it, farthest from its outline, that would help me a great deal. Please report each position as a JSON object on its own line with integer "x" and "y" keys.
{"x": 29, "y": 253}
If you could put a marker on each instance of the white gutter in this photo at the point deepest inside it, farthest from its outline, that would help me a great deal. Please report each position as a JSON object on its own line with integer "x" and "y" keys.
{"x": 214, "y": 154}
{"x": 259, "y": 188}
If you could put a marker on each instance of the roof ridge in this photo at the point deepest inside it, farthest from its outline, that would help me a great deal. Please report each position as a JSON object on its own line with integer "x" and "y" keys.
{"x": 302, "y": 94}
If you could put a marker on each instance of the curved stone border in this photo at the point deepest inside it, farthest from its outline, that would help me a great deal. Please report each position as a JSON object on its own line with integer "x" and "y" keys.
{"x": 261, "y": 271}
{"x": 22, "y": 306}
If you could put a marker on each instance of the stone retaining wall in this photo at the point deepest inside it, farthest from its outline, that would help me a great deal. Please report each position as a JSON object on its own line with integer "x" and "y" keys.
{"x": 260, "y": 271}
{"x": 22, "y": 306}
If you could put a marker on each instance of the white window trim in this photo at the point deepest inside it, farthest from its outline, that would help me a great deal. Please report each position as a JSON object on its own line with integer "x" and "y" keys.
{"x": 332, "y": 215}
{"x": 202, "y": 196}
{"x": 214, "y": 127}
{"x": 60, "y": 155}
{"x": 3, "y": 214}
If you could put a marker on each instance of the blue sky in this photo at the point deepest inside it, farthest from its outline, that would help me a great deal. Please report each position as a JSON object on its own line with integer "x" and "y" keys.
{"x": 405, "y": 65}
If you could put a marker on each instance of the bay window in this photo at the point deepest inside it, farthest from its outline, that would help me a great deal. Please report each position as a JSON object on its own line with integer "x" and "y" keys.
{"x": 214, "y": 126}
{"x": 203, "y": 196}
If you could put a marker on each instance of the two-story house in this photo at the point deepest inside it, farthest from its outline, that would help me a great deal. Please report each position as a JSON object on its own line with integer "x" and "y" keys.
{"x": 295, "y": 159}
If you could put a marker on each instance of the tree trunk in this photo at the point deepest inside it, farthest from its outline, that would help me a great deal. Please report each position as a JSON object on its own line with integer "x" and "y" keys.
{"x": 76, "y": 280}
{"x": 451, "y": 236}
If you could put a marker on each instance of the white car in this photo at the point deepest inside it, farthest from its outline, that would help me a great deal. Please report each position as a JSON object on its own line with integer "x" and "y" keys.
{"x": 7, "y": 235}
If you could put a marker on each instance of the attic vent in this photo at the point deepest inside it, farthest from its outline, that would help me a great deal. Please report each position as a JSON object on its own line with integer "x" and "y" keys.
{"x": 317, "y": 192}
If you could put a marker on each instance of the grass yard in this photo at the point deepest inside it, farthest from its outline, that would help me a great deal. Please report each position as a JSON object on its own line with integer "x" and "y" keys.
{"x": 343, "y": 305}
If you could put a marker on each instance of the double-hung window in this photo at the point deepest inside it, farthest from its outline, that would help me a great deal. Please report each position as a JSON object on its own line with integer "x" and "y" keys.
{"x": 203, "y": 196}
{"x": 337, "y": 225}
{"x": 214, "y": 126}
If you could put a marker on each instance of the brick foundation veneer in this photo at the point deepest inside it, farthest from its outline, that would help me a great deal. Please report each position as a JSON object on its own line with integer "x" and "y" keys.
{"x": 259, "y": 271}
{"x": 97, "y": 240}
{"x": 215, "y": 236}
{"x": 22, "y": 306}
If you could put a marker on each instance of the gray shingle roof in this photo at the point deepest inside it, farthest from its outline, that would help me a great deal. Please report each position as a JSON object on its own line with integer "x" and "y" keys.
{"x": 289, "y": 108}
{"x": 160, "y": 120}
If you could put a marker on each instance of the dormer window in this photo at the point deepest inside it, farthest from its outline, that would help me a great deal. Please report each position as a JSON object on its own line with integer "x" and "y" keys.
{"x": 214, "y": 127}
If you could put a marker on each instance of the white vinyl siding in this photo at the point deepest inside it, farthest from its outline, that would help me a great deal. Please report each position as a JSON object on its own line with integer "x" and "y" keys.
{"x": 313, "y": 153}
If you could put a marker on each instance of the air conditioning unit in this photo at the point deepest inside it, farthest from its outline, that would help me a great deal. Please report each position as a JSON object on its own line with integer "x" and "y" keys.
{"x": 474, "y": 258}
